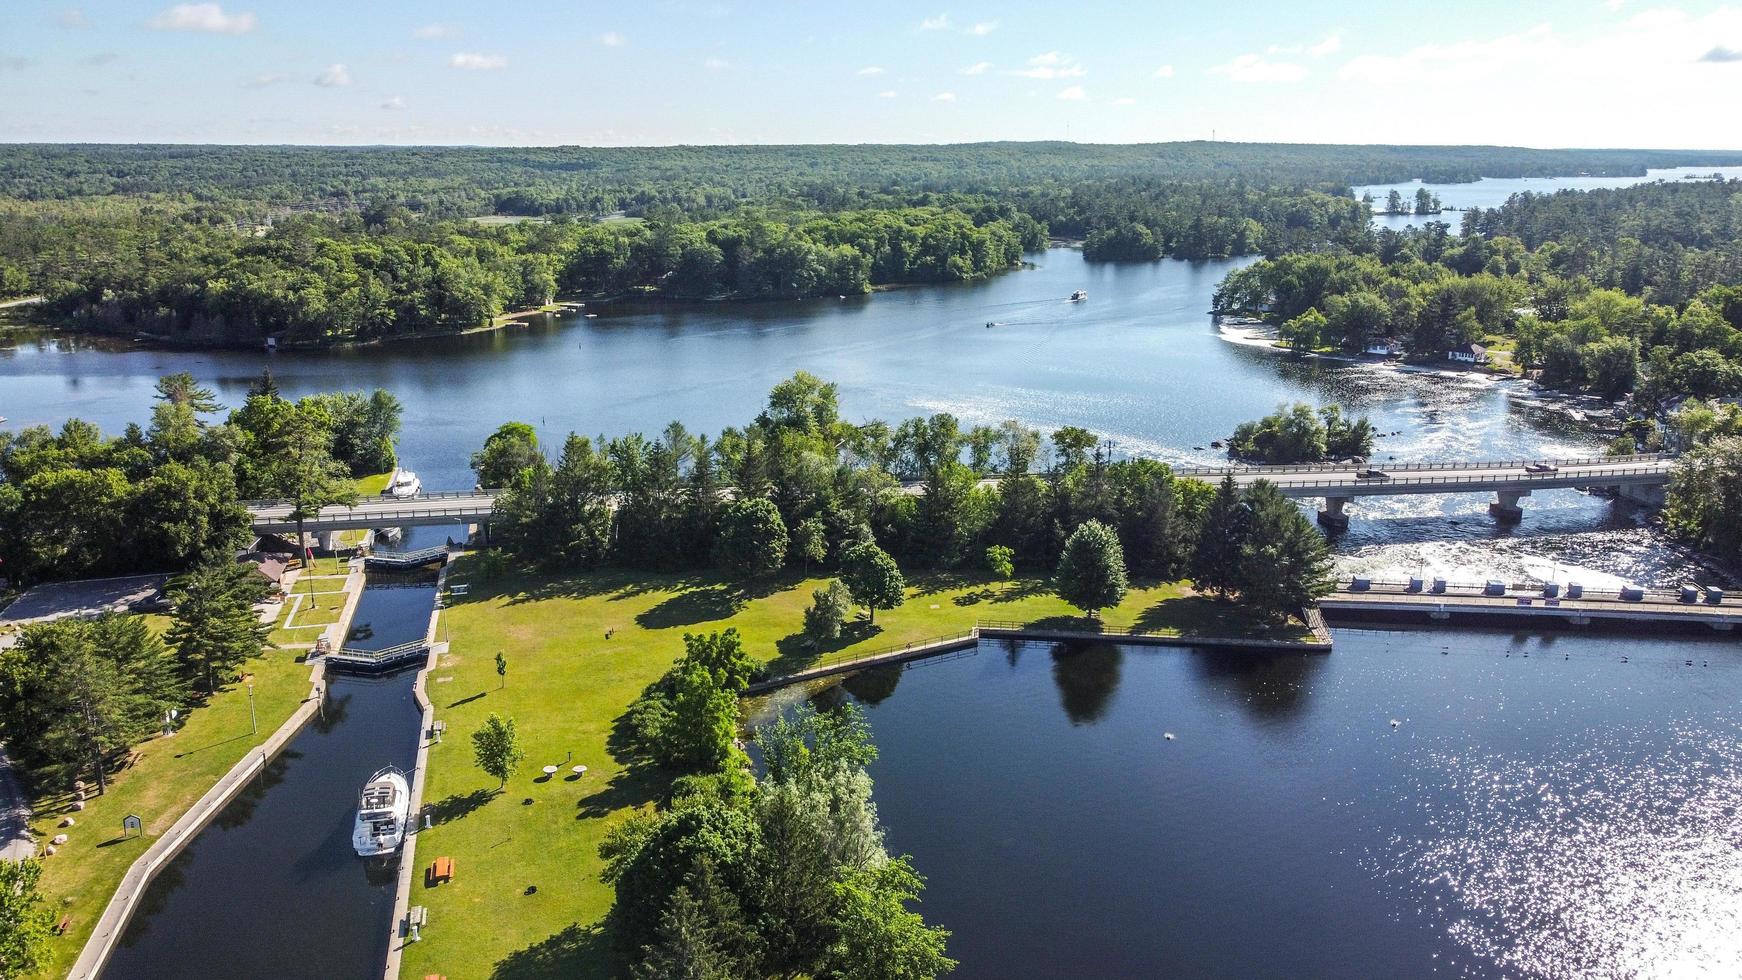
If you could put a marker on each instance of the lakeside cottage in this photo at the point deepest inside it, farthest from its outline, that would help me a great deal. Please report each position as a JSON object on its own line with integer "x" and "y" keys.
{"x": 1468, "y": 354}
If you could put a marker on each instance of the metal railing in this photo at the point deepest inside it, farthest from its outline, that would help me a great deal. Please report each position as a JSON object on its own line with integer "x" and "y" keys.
{"x": 381, "y": 501}
{"x": 407, "y": 558}
{"x": 1576, "y": 477}
{"x": 384, "y": 655}
{"x": 843, "y": 658}
{"x": 1425, "y": 466}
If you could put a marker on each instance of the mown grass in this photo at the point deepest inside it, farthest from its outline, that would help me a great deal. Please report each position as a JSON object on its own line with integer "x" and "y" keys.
{"x": 161, "y": 781}
{"x": 526, "y": 900}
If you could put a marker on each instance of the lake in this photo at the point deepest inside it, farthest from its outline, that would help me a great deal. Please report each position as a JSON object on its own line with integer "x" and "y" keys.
{"x": 1140, "y": 363}
{"x": 1544, "y": 807}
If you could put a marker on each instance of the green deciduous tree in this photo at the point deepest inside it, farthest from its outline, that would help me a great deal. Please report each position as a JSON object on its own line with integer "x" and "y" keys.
{"x": 512, "y": 448}
{"x": 25, "y": 920}
{"x": 496, "y": 748}
{"x": 810, "y": 541}
{"x": 828, "y": 610}
{"x": 1001, "y": 562}
{"x": 872, "y": 578}
{"x": 876, "y": 936}
{"x": 753, "y": 537}
{"x": 1091, "y": 572}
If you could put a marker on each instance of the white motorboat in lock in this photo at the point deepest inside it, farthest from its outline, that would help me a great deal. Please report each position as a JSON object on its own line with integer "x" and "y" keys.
{"x": 382, "y": 813}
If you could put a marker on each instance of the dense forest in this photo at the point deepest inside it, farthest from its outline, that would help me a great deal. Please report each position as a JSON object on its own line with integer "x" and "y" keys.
{"x": 457, "y": 181}
{"x": 320, "y": 246}
{"x": 1608, "y": 291}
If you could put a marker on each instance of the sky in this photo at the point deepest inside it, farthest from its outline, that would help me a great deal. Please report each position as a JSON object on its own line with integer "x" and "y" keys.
{"x": 1555, "y": 73}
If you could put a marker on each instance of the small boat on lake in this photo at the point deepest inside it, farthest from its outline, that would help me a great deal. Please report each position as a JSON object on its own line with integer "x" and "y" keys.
{"x": 1079, "y": 295}
{"x": 404, "y": 485}
{"x": 382, "y": 814}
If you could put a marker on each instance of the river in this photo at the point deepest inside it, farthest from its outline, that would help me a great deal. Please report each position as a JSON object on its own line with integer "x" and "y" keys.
{"x": 1549, "y": 807}
{"x": 1140, "y": 363}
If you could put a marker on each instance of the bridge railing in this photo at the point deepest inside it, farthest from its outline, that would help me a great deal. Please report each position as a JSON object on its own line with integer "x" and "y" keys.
{"x": 1578, "y": 477}
{"x": 1424, "y": 466}
{"x": 1477, "y": 590}
{"x": 383, "y": 655}
{"x": 382, "y": 501}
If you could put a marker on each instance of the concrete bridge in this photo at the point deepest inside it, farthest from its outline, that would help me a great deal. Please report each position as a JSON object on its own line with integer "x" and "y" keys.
{"x": 1639, "y": 478}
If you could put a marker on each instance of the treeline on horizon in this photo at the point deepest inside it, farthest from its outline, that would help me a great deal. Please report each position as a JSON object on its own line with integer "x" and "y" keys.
{"x": 460, "y": 181}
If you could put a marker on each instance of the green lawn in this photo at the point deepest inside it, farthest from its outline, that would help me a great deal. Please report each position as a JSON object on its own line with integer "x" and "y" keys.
{"x": 163, "y": 779}
{"x": 526, "y": 899}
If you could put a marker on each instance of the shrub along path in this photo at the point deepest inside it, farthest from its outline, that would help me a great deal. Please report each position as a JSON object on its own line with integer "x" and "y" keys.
{"x": 526, "y": 899}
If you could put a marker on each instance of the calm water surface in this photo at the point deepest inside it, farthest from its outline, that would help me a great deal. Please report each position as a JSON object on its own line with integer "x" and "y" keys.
{"x": 1566, "y": 807}
{"x": 1139, "y": 363}
{"x": 272, "y": 887}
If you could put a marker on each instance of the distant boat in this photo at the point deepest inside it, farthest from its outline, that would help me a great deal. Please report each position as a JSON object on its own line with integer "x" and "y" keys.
{"x": 381, "y": 814}
{"x": 1079, "y": 296}
{"x": 404, "y": 485}
{"x": 989, "y": 325}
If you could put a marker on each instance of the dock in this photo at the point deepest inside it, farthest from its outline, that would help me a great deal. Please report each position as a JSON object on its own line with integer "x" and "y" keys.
{"x": 1528, "y": 604}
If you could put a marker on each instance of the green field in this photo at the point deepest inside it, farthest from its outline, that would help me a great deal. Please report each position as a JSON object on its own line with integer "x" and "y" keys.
{"x": 159, "y": 783}
{"x": 526, "y": 899}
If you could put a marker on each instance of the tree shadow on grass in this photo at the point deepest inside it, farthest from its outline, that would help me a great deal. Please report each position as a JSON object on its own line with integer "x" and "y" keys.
{"x": 1021, "y": 589}
{"x": 707, "y": 603}
{"x": 796, "y": 651}
{"x": 635, "y": 786}
{"x": 577, "y": 951}
{"x": 456, "y": 806}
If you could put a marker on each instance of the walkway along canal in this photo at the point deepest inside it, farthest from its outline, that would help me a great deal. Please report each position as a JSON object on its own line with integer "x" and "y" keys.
{"x": 272, "y": 887}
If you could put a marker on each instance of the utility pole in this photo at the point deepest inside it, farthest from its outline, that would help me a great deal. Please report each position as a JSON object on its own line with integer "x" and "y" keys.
{"x": 253, "y": 721}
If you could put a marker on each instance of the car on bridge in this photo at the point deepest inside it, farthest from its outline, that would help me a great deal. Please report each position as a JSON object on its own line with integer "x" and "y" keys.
{"x": 1372, "y": 474}
{"x": 1544, "y": 467}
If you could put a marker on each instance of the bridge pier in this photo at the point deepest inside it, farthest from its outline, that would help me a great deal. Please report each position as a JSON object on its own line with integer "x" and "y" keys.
{"x": 1505, "y": 507}
{"x": 327, "y": 541}
{"x": 1650, "y": 495}
{"x": 1333, "y": 516}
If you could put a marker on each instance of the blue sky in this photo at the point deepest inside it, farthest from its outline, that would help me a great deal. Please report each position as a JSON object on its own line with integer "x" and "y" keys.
{"x": 1557, "y": 73}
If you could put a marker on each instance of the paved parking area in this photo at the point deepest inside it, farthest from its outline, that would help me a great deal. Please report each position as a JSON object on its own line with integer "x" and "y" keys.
{"x": 54, "y": 600}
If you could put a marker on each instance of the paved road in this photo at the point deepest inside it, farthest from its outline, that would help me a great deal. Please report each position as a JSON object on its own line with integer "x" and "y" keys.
{"x": 15, "y": 842}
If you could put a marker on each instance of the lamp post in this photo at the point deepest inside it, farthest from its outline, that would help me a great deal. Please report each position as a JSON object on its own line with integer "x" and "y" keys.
{"x": 253, "y": 720}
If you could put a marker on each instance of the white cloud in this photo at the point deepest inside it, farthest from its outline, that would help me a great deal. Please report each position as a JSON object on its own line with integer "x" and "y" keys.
{"x": 432, "y": 32}
{"x": 1330, "y": 45}
{"x": 1257, "y": 68}
{"x": 267, "y": 80}
{"x": 101, "y": 58}
{"x": 977, "y": 68}
{"x": 870, "y": 70}
{"x": 1165, "y": 71}
{"x": 1614, "y": 5}
{"x": 944, "y": 97}
{"x": 887, "y": 93}
{"x": 473, "y": 61}
{"x": 1720, "y": 55}
{"x": 612, "y": 39}
{"x": 981, "y": 29}
{"x": 1125, "y": 100}
{"x": 1051, "y": 65}
{"x": 73, "y": 19}
{"x": 1073, "y": 93}
{"x": 207, "y": 18}
{"x": 334, "y": 76}
{"x": 395, "y": 104}
{"x": 14, "y": 62}
{"x": 716, "y": 64}
{"x": 939, "y": 23}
